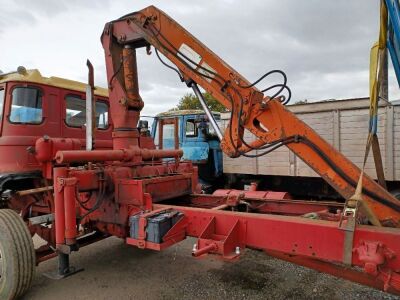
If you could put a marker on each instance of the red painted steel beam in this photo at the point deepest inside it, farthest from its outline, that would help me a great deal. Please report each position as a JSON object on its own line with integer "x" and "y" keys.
{"x": 293, "y": 235}
{"x": 334, "y": 270}
{"x": 263, "y": 205}
{"x": 253, "y": 194}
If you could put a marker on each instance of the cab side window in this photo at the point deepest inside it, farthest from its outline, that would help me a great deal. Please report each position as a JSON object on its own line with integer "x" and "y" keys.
{"x": 26, "y": 105}
{"x": 76, "y": 112}
{"x": 101, "y": 115}
{"x": 168, "y": 131}
{"x": 191, "y": 128}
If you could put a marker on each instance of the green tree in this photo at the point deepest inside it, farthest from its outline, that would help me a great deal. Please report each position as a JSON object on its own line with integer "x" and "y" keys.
{"x": 190, "y": 101}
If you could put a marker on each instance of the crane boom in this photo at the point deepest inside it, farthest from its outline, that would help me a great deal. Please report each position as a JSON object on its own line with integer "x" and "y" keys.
{"x": 267, "y": 119}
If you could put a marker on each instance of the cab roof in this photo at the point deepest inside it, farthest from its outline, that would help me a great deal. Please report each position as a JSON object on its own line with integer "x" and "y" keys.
{"x": 184, "y": 112}
{"x": 34, "y": 76}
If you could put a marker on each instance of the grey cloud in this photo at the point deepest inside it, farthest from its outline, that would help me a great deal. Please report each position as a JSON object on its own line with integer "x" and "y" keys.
{"x": 15, "y": 17}
{"x": 52, "y": 8}
{"x": 323, "y": 46}
{"x": 313, "y": 41}
{"x": 305, "y": 38}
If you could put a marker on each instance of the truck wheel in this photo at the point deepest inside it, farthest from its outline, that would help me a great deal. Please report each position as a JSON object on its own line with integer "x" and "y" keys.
{"x": 17, "y": 256}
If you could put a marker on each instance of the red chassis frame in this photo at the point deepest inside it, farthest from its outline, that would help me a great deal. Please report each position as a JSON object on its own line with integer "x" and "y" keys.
{"x": 317, "y": 244}
{"x": 315, "y": 234}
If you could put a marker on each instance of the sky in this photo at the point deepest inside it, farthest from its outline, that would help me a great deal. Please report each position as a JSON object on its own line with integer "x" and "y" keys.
{"x": 323, "y": 46}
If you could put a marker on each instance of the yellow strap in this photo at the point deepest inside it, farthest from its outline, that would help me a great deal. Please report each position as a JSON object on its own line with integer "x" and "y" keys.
{"x": 374, "y": 67}
{"x": 376, "y": 51}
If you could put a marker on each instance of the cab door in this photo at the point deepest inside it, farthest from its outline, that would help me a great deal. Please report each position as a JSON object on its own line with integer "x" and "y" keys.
{"x": 194, "y": 144}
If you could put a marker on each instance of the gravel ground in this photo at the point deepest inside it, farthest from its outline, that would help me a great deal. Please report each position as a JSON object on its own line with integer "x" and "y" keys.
{"x": 114, "y": 270}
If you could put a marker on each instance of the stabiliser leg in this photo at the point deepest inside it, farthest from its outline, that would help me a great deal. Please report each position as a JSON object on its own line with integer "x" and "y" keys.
{"x": 65, "y": 221}
{"x": 64, "y": 269}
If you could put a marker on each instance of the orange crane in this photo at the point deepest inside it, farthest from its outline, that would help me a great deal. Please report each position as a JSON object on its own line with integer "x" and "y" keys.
{"x": 266, "y": 118}
{"x": 149, "y": 197}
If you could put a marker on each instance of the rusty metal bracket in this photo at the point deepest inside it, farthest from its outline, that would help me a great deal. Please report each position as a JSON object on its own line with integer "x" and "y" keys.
{"x": 228, "y": 244}
{"x": 374, "y": 255}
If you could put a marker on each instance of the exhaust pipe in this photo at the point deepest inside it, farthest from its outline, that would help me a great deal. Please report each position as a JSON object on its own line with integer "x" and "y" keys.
{"x": 90, "y": 108}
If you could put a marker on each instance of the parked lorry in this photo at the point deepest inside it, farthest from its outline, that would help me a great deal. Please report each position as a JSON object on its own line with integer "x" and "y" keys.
{"x": 190, "y": 130}
{"x": 342, "y": 123}
{"x": 33, "y": 107}
{"x": 132, "y": 192}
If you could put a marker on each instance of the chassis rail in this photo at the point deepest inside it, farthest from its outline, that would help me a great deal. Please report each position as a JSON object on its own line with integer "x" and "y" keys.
{"x": 316, "y": 244}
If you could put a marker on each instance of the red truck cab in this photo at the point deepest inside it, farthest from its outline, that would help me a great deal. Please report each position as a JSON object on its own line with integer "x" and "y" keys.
{"x": 33, "y": 106}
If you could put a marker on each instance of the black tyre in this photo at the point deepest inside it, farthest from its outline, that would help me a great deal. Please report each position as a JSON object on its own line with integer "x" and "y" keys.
{"x": 17, "y": 256}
